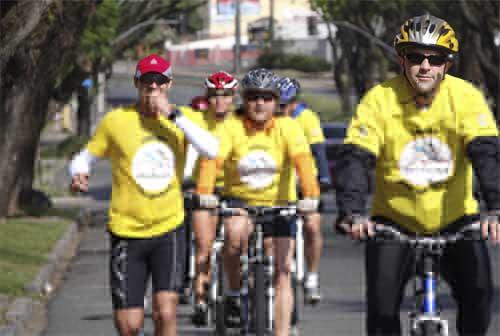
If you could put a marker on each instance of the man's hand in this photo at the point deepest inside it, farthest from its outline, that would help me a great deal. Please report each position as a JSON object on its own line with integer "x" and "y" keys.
{"x": 80, "y": 183}
{"x": 357, "y": 226}
{"x": 308, "y": 205}
{"x": 490, "y": 227}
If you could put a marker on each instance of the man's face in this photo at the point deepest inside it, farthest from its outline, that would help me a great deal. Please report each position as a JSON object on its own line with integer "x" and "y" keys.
{"x": 220, "y": 101}
{"x": 152, "y": 85}
{"x": 424, "y": 68}
{"x": 260, "y": 106}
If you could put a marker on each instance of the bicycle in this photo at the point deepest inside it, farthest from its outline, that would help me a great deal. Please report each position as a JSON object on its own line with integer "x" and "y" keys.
{"x": 257, "y": 269}
{"x": 425, "y": 318}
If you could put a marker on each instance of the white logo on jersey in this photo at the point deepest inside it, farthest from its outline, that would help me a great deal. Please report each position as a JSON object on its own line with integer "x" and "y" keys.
{"x": 426, "y": 161}
{"x": 257, "y": 169}
{"x": 153, "y": 167}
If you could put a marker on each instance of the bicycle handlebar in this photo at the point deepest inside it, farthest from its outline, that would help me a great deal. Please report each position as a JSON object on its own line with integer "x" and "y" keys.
{"x": 440, "y": 240}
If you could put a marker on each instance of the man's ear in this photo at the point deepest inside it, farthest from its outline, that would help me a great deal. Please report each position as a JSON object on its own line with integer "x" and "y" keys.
{"x": 448, "y": 66}
{"x": 169, "y": 84}
{"x": 402, "y": 63}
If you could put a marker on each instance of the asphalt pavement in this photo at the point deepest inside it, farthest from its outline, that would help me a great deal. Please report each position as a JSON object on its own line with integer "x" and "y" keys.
{"x": 82, "y": 304}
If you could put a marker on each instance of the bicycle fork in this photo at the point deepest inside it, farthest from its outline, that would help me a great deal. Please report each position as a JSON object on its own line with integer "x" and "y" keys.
{"x": 428, "y": 312}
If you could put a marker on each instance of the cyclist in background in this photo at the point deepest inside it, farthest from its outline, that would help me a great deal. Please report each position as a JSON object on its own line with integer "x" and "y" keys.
{"x": 146, "y": 144}
{"x": 423, "y": 132}
{"x": 258, "y": 154}
{"x": 220, "y": 92}
{"x": 310, "y": 124}
{"x": 199, "y": 103}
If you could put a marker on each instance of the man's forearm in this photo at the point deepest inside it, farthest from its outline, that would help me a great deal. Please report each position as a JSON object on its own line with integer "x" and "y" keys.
{"x": 353, "y": 179}
{"x": 81, "y": 163}
{"x": 484, "y": 153}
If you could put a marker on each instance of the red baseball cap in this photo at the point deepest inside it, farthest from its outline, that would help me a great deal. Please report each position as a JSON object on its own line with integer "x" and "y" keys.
{"x": 153, "y": 63}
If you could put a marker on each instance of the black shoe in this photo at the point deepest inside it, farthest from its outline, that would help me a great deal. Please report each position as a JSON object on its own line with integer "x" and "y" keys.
{"x": 200, "y": 315}
{"x": 232, "y": 310}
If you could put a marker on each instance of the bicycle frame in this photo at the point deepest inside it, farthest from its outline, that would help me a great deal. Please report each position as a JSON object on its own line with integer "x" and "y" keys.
{"x": 255, "y": 257}
{"x": 429, "y": 249}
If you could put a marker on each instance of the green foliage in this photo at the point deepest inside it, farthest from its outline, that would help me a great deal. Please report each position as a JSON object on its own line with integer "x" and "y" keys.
{"x": 300, "y": 62}
{"x": 328, "y": 108}
{"x": 24, "y": 249}
{"x": 100, "y": 31}
{"x": 66, "y": 149}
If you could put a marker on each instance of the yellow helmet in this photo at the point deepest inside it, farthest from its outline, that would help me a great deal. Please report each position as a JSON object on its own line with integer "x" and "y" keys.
{"x": 426, "y": 31}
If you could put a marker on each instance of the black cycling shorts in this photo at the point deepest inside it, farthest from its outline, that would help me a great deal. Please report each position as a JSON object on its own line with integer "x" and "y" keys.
{"x": 280, "y": 227}
{"x": 465, "y": 265}
{"x": 134, "y": 260}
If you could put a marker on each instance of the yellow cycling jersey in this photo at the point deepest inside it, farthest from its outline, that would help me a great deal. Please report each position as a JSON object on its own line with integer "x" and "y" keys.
{"x": 258, "y": 163}
{"x": 147, "y": 161}
{"x": 215, "y": 127}
{"x": 310, "y": 124}
{"x": 423, "y": 176}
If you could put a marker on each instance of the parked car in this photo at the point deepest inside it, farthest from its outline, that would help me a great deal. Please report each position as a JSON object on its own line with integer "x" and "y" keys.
{"x": 334, "y": 132}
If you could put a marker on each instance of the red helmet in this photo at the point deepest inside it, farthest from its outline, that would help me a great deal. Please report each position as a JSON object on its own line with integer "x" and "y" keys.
{"x": 199, "y": 103}
{"x": 221, "y": 80}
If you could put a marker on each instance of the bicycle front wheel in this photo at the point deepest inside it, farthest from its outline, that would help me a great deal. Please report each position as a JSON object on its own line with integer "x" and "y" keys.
{"x": 259, "y": 308}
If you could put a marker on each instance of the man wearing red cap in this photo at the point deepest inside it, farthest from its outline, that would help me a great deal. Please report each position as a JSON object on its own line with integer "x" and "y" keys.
{"x": 146, "y": 144}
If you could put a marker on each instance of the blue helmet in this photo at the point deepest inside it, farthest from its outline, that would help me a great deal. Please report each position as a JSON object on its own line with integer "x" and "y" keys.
{"x": 289, "y": 89}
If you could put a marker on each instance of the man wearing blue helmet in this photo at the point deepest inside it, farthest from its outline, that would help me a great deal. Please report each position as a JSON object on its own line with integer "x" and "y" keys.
{"x": 310, "y": 124}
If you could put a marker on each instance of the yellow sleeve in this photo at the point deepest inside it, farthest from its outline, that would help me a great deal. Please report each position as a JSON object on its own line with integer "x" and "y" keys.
{"x": 208, "y": 168}
{"x": 194, "y": 116}
{"x": 312, "y": 127}
{"x": 365, "y": 129}
{"x": 304, "y": 165}
{"x": 295, "y": 140}
{"x": 477, "y": 118}
{"x": 99, "y": 143}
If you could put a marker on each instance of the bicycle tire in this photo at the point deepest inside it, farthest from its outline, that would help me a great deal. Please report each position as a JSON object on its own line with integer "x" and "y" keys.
{"x": 427, "y": 328}
{"x": 259, "y": 308}
{"x": 296, "y": 311}
{"x": 220, "y": 324}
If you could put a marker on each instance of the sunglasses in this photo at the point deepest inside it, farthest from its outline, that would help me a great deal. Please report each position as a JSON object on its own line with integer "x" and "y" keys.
{"x": 219, "y": 92}
{"x": 265, "y": 96}
{"x": 416, "y": 58}
{"x": 154, "y": 77}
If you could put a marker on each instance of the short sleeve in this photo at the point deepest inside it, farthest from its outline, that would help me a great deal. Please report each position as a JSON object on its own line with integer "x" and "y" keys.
{"x": 477, "y": 119}
{"x": 99, "y": 143}
{"x": 312, "y": 129}
{"x": 365, "y": 129}
{"x": 295, "y": 139}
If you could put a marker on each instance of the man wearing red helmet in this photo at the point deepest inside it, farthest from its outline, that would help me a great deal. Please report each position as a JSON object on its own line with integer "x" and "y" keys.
{"x": 146, "y": 144}
{"x": 220, "y": 91}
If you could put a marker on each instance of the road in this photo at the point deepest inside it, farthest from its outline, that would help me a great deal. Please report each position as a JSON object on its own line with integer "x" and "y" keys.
{"x": 82, "y": 305}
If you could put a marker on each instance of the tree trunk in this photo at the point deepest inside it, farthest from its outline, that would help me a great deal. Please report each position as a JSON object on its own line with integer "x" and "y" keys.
{"x": 31, "y": 70}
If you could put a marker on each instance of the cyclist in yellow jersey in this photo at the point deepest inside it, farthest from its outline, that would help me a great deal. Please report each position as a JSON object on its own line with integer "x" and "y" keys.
{"x": 423, "y": 132}
{"x": 258, "y": 153}
{"x": 220, "y": 91}
{"x": 146, "y": 145}
{"x": 310, "y": 124}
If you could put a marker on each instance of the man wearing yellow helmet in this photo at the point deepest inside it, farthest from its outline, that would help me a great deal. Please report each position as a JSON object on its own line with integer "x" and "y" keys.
{"x": 423, "y": 134}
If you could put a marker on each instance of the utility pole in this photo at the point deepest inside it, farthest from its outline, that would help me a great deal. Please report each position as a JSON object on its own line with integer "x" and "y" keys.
{"x": 237, "y": 41}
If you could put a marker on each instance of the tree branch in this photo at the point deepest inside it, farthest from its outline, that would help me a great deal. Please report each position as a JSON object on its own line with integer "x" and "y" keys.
{"x": 18, "y": 24}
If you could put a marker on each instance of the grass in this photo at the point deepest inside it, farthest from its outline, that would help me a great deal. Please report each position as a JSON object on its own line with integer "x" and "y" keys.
{"x": 24, "y": 247}
{"x": 328, "y": 109}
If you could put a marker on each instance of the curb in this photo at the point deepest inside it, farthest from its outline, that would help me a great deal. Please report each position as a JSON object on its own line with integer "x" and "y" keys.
{"x": 21, "y": 311}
